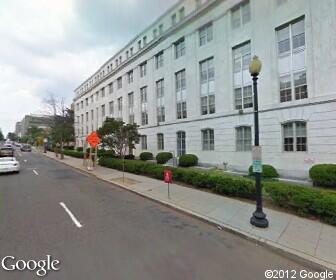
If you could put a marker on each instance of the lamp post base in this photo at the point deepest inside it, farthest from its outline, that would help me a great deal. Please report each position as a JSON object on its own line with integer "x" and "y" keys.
{"x": 259, "y": 220}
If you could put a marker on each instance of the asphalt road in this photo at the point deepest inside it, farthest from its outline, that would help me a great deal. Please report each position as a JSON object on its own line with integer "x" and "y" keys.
{"x": 123, "y": 236}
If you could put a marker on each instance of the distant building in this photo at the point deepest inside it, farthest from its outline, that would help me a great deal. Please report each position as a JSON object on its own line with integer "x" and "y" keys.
{"x": 185, "y": 80}
{"x": 18, "y": 129}
{"x": 40, "y": 121}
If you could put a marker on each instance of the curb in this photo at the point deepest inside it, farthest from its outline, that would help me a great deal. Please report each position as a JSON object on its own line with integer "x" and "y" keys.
{"x": 293, "y": 254}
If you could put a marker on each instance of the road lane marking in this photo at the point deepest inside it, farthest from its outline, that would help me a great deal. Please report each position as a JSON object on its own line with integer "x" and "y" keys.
{"x": 73, "y": 218}
{"x": 35, "y": 172}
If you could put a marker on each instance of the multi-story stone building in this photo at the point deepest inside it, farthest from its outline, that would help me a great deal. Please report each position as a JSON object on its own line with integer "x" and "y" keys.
{"x": 185, "y": 81}
{"x": 40, "y": 121}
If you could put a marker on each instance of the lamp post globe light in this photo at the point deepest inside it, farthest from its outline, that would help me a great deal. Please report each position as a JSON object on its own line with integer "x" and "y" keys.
{"x": 258, "y": 218}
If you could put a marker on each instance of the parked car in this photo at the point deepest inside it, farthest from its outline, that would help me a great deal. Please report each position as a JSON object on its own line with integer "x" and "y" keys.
{"x": 6, "y": 151}
{"x": 9, "y": 164}
{"x": 25, "y": 148}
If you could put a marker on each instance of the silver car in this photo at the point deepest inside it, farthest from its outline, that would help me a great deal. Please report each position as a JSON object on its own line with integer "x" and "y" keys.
{"x": 9, "y": 164}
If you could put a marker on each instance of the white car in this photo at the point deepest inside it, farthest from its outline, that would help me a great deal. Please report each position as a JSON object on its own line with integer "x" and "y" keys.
{"x": 9, "y": 164}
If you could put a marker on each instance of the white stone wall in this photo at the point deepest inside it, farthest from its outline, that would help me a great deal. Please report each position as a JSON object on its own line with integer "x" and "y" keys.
{"x": 318, "y": 110}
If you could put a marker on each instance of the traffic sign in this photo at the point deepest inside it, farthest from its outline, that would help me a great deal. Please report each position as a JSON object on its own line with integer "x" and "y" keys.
{"x": 93, "y": 139}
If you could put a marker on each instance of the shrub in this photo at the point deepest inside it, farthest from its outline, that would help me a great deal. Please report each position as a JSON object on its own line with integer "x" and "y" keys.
{"x": 72, "y": 153}
{"x": 129, "y": 157}
{"x": 304, "y": 200}
{"x": 79, "y": 149}
{"x": 163, "y": 157}
{"x": 235, "y": 187}
{"x": 146, "y": 156}
{"x": 69, "y": 147}
{"x": 188, "y": 160}
{"x": 323, "y": 175}
{"x": 105, "y": 153}
{"x": 268, "y": 171}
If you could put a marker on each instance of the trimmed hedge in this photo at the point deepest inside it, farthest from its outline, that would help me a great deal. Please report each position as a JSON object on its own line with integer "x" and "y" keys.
{"x": 146, "y": 156}
{"x": 304, "y": 200}
{"x": 79, "y": 149}
{"x": 72, "y": 153}
{"x": 268, "y": 171}
{"x": 188, "y": 160}
{"x": 220, "y": 183}
{"x": 106, "y": 153}
{"x": 163, "y": 157}
{"x": 323, "y": 175}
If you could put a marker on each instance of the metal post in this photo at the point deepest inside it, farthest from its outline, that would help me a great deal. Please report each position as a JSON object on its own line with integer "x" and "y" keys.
{"x": 259, "y": 217}
{"x": 168, "y": 191}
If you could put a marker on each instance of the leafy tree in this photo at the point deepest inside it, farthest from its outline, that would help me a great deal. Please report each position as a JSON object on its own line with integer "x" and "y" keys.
{"x": 11, "y": 136}
{"x": 62, "y": 129}
{"x": 35, "y": 133}
{"x": 119, "y": 136}
{"x": 1, "y": 136}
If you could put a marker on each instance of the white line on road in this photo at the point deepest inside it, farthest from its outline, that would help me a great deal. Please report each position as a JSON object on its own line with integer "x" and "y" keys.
{"x": 73, "y": 218}
{"x": 35, "y": 172}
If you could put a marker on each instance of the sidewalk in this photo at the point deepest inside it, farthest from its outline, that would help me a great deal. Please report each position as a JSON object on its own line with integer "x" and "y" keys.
{"x": 310, "y": 240}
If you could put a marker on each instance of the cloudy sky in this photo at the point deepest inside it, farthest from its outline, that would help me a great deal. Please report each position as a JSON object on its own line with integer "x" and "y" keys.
{"x": 53, "y": 45}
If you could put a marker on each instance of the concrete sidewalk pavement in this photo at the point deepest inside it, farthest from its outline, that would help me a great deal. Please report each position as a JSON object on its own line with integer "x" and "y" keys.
{"x": 311, "y": 240}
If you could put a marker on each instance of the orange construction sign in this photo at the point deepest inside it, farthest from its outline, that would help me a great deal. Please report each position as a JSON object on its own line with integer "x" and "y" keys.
{"x": 93, "y": 139}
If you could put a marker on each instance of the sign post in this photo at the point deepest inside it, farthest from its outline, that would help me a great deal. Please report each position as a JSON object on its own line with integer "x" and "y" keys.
{"x": 94, "y": 140}
{"x": 256, "y": 158}
{"x": 168, "y": 178}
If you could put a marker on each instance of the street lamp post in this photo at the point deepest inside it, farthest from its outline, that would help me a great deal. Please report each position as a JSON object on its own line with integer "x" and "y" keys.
{"x": 258, "y": 218}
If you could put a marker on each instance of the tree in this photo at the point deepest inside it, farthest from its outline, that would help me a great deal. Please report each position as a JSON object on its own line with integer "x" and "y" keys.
{"x": 1, "y": 136}
{"x": 62, "y": 128}
{"x": 11, "y": 136}
{"x": 119, "y": 136}
{"x": 35, "y": 134}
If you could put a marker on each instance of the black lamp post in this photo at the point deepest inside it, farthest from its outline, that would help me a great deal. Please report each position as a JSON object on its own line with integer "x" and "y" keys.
{"x": 259, "y": 217}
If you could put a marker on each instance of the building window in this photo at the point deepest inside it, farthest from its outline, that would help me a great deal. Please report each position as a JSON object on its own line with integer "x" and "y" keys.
{"x": 240, "y": 15}
{"x": 181, "y": 13}
{"x": 159, "y": 60}
{"x": 207, "y": 79}
{"x": 173, "y": 19}
{"x": 120, "y": 108}
{"x": 131, "y": 108}
{"x": 144, "y": 106}
{"x": 241, "y": 77}
{"x": 160, "y": 142}
{"x": 111, "y": 108}
{"x": 143, "y": 69}
{"x": 103, "y": 92}
{"x": 243, "y": 139}
{"x": 295, "y": 136}
{"x": 181, "y": 143}
{"x": 127, "y": 54}
{"x": 180, "y": 88}
{"x": 144, "y": 40}
{"x": 130, "y": 77}
{"x": 120, "y": 59}
{"x": 160, "y": 101}
{"x": 119, "y": 82}
{"x": 291, "y": 61}
{"x": 111, "y": 88}
{"x": 87, "y": 116}
{"x": 205, "y": 34}
{"x": 198, "y": 3}
{"x": 208, "y": 140}
{"x": 103, "y": 111}
{"x": 92, "y": 115}
{"x": 143, "y": 139}
{"x": 154, "y": 33}
{"x": 82, "y": 104}
{"x": 131, "y": 51}
{"x": 139, "y": 45}
{"x": 97, "y": 96}
{"x": 86, "y": 101}
{"x": 179, "y": 48}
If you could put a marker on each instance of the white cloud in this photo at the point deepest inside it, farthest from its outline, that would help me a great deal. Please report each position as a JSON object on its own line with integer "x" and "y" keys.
{"x": 53, "y": 46}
